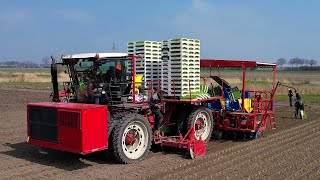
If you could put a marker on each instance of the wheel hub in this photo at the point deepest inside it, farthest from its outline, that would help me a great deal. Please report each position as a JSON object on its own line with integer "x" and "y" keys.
{"x": 130, "y": 139}
{"x": 202, "y": 126}
{"x": 199, "y": 125}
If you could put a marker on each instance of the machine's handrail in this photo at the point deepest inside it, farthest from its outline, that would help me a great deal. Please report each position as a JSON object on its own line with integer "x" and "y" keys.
{"x": 261, "y": 100}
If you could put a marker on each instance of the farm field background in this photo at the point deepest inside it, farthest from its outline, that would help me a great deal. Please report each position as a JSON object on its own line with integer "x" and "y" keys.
{"x": 291, "y": 151}
{"x": 307, "y": 83}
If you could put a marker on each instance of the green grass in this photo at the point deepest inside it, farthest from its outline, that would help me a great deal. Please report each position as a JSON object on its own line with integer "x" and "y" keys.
{"x": 305, "y": 97}
{"x": 259, "y": 83}
{"x": 299, "y": 71}
{"x": 44, "y": 75}
{"x": 31, "y": 85}
{"x": 25, "y": 70}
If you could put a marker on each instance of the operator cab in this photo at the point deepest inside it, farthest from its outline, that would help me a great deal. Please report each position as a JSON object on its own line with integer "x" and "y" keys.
{"x": 100, "y": 78}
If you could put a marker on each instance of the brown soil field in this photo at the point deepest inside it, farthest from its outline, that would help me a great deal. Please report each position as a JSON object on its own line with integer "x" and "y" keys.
{"x": 290, "y": 152}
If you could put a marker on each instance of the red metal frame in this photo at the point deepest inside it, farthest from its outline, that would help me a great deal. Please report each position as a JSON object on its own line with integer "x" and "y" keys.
{"x": 187, "y": 141}
{"x": 261, "y": 107}
{"x": 249, "y": 124}
{"x": 234, "y": 63}
{"x": 133, "y": 70}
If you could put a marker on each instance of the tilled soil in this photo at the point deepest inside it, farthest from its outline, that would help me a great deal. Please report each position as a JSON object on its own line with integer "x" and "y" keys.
{"x": 292, "y": 151}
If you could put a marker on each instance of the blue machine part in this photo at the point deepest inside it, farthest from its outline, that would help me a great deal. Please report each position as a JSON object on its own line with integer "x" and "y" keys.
{"x": 216, "y": 104}
{"x": 209, "y": 105}
{"x": 228, "y": 104}
{"x": 232, "y": 104}
{"x": 235, "y": 105}
{"x": 247, "y": 94}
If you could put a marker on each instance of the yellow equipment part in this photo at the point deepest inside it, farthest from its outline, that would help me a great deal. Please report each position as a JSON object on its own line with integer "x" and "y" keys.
{"x": 223, "y": 103}
{"x": 247, "y": 104}
{"x": 138, "y": 82}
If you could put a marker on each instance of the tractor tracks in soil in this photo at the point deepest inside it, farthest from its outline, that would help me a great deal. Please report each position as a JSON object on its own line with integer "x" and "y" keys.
{"x": 262, "y": 157}
{"x": 8, "y": 88}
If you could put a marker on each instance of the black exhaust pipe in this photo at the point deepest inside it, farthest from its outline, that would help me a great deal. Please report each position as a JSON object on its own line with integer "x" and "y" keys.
{"x": 54, "y": 79}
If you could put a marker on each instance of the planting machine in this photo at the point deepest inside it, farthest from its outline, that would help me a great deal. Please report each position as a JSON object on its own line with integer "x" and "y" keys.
{"x": 99, "y": 109}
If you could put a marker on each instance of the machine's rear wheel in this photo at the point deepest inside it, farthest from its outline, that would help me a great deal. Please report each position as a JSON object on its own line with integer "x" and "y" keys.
{"x": 64, "y": 100}
{"x": 201, "y": 119}
{"x": 218, "y": 134}
{"x": 131, "y": 139}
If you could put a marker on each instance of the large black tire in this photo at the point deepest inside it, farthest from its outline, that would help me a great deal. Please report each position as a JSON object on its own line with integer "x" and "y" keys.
{"x": 202, "y": 116}
{"x": 130, "y": 140}
{"x": 218, "y": 134}
{"x": 182, "y": 114}
{"x": 113, "y": 120}
{"x": 111, "y": 123}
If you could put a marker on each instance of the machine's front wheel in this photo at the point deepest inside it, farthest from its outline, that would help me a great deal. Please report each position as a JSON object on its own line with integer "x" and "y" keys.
{"x": 131, "y": 139}
{"x": 201, "y": 119}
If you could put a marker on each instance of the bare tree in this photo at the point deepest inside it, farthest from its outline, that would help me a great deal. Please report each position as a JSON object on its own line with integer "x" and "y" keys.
{"x": 307, "y": 62}
{"x": 300, "y": 62}
{"x": 313, "y": 62}
{"x": 292, "y": 62}
{"x": 281, "y": 62}
{"x": 46, "y": 61}
{"x": 296, "y": 61}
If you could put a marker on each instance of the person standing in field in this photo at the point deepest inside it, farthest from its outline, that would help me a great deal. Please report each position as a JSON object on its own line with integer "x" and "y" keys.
{"x": 299, "y": 107}
{"x": 290, "y": 94}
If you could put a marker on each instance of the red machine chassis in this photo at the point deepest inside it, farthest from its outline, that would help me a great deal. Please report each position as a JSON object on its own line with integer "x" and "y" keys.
{"x": 232, "y": 121}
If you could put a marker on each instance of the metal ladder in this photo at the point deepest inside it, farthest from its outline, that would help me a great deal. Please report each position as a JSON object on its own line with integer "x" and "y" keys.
{"x": 115, "y": 97}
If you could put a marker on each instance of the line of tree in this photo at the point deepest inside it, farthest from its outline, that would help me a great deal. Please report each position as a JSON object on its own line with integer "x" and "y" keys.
{"x": 297, "y": 62}
{"x": 45, "y": 63}
{"x": 18, "y": 64}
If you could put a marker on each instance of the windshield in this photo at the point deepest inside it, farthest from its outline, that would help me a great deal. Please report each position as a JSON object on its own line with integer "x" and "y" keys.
{"x": 104, "y": 70}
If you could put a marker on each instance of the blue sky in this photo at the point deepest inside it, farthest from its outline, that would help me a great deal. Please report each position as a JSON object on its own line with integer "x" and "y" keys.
{"x": 262, "y": 30}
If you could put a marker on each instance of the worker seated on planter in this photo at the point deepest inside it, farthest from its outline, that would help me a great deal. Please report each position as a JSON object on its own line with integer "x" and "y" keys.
{"x": 155, "y": 106}
{"x": 140, "y": 97}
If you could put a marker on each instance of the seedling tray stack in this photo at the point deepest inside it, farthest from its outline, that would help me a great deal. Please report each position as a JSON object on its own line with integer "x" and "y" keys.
{"x": 180, "y": 66}
{"x": 149, "y": 64}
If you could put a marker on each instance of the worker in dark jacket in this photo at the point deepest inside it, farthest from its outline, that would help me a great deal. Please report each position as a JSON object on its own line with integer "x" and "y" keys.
{"x": 290, "y": 94}
{"x": 299, "y": 107}
{"x": 155, "y": 107}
